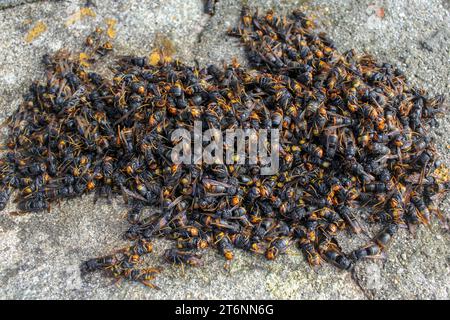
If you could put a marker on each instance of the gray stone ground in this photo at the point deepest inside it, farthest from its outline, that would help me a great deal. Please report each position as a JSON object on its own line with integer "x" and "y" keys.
{"x": 40, "y": 254}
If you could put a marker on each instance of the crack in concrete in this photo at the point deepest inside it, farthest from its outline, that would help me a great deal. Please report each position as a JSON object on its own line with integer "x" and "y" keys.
{"x": 202, "y": 31}
{"x": 368, "y": 294}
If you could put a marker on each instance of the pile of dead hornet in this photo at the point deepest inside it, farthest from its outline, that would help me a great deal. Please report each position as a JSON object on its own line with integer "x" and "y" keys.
{"x": 354, "y": 148}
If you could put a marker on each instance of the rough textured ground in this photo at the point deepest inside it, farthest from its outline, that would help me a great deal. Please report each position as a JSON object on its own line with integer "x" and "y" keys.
{"x": 40, "y": 254}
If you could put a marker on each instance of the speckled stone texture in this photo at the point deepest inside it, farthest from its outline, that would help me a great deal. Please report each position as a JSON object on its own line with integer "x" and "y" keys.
{"x": 40, "y": 253}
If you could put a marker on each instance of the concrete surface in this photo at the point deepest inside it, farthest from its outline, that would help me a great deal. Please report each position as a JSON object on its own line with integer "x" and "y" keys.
{"x": 40, "y": 254}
